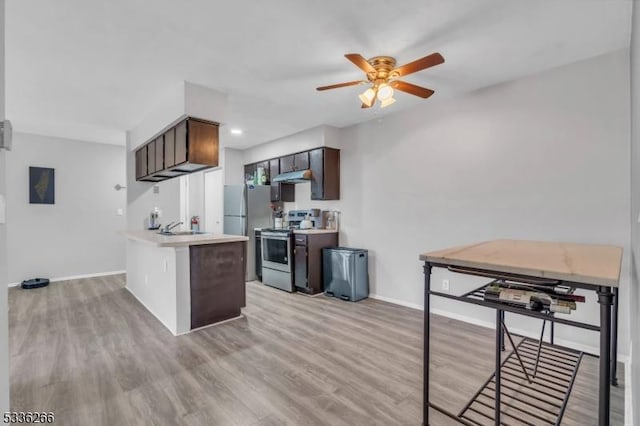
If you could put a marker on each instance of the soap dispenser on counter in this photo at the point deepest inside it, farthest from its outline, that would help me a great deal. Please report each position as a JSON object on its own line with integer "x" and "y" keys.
{"x": 153, "y": 219}
{"x": 195, "y": 224}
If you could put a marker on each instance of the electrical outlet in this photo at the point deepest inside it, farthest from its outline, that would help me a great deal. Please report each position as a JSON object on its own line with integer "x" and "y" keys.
{"x": 165, "y": 265}
{"x": 120, "y": 212}
{"x": 445, "y": 285}
{"x": 156, "y": 189}
{"x": 146, "y": 279}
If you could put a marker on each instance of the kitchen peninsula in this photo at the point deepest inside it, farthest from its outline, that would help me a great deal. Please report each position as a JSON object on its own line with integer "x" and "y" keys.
{"x": 187, "y": 281}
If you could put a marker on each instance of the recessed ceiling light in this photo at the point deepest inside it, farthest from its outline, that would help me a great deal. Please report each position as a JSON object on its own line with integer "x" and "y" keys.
{"x": 236, "y": 131}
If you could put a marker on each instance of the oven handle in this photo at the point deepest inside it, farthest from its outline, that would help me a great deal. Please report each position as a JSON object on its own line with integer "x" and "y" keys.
{"x": 274, "y": 237}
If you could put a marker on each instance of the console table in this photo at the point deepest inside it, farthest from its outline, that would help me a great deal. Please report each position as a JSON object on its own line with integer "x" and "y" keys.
{"x": 589, "y": 267}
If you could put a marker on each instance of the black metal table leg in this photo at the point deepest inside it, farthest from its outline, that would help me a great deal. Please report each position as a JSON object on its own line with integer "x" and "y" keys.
{"x": 499, "y": 340}
{"x": 552, "y": 333}
{"x": 502, "y": 348}
{"x": 425, "y": 361}
{"x": 605, "y": 299}
{"x": 614, "y": 339}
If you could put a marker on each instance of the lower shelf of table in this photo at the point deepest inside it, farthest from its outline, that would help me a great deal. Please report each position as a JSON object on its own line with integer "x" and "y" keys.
{"x": 541, "y": 402}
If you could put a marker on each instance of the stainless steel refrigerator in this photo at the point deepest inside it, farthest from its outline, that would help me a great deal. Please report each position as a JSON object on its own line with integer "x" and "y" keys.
{"x": 245, "y": 208}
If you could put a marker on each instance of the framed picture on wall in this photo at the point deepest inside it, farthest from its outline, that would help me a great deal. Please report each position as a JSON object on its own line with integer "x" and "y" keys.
{"x": 41, "y": 185}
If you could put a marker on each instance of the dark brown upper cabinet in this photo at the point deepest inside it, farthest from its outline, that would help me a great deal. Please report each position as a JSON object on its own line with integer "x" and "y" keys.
{"x": 325, "y": 173}
{"x": 159, "y": 161}
{"x": 286, "y": 164}
{"x": 189, "y": 146}
{"x": 170, "y": 148}
{"x": 151, "y": 157}
{"x": 291, "y": 163}
{"x": 265, "y": 167}
{"x": 301, "y": 161}
{"x": 250, "y": 172}
{"x": 279, "y": 191}
{"x": 141, "y": 162}
{"x": 181, "y": 143}
{"x": 324, "y": 164}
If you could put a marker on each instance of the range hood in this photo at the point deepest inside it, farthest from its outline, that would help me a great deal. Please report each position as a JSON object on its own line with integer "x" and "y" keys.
{"x": 299, "y": 176}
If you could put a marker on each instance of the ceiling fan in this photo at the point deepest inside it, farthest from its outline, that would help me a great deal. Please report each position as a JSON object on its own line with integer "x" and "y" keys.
{"x": 383, "y": 75}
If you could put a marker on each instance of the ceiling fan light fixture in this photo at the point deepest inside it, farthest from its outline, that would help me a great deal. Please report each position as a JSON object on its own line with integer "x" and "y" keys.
{"x": 386, "y": 102}
{"x": 385, "y": 92}
{"x": 383, "y": 76}
{"x": 368, "y": 97}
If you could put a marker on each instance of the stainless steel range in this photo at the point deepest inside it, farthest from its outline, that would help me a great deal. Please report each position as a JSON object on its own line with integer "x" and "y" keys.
{"x": 277, "y": 257}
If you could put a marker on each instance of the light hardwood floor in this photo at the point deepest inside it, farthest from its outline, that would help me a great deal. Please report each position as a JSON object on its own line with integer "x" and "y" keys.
{"x": 87, "y": 350}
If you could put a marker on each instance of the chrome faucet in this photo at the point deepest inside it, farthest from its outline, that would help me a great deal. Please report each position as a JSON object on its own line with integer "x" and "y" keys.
{"x": 171, "y": 225}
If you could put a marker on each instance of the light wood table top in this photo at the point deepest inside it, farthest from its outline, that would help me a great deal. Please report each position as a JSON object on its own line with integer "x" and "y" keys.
{"x": 581, "y": 263}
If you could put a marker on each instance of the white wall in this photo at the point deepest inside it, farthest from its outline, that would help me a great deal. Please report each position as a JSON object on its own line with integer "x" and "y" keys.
{"x": 634, "y": 299}
{"x": 141, "y": 198}
{"x": 176, "y": 102}
{"x": 79, "y": 234}
{"x": 4, "y": 307}
{"x": 4, "y": 321}
{"x": 233, "y": 165}
{"x": 307, "y": 139}
{"x": 543, "y": 158}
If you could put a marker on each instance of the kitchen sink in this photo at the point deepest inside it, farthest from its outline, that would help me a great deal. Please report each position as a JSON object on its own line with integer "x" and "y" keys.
{"x": 182, "y": 233}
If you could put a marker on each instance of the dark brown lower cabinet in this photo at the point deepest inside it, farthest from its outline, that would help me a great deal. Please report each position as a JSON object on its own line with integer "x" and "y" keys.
{"x": 300, "y": 263}
{"x": 217, "y": 282}
{"x": 308, "y": 260}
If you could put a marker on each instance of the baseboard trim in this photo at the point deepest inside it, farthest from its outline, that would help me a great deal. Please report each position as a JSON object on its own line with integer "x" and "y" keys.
{"x": 470, "y": 320}
{"x": 210, "y": 325}
{"x": 397, "y": 302}
{"x": 77, "y": 277}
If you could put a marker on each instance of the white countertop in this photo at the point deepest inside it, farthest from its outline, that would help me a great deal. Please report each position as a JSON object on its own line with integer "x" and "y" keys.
{"x": 153, "y": 238}
{"x": 315, "y": 231}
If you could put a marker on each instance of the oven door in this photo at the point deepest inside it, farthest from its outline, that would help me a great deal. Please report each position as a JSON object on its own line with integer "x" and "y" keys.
{"x": 276, "y": 251}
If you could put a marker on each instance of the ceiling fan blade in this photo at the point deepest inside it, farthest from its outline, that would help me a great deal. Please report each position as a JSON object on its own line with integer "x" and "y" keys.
{"x": 360, "y": 62}
{"x": 419, "y": 65}
{"x": 403, "y": 86}
{"x": 336, "y": 86}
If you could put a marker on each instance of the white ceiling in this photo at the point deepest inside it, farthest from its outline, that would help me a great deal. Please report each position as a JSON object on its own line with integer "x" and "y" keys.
{"x": 92, "y": 69}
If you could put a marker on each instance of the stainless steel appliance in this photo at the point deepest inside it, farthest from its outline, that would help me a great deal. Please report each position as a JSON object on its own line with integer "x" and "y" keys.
{"x": 316, "y": 216}
{"x": 277, "y": 257}
{"x": 345, "y": 273}
{"x": 247, "y": 207}
{"x": 298, "y": 176}
{"x": 295, "y": 217}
